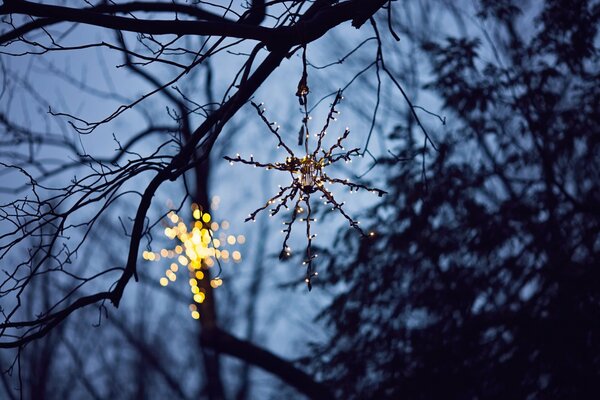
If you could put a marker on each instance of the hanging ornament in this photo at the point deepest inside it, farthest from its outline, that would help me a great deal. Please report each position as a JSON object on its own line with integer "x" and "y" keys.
{"x": 308, "y": 176}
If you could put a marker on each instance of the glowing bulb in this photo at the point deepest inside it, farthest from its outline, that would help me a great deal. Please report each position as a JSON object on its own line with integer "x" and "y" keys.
{"x": 172, "y": 277}
{"x": 199, "y": 297}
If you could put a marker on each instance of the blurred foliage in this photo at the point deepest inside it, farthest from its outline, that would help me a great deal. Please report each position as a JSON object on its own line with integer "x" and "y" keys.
{"x": 485, "y": 283}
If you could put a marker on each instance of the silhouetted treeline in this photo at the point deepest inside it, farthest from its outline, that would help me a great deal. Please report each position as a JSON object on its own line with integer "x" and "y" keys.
{"x": 484, "y": 280}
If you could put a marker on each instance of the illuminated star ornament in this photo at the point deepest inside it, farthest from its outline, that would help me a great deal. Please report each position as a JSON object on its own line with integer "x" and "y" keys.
{"x": 197, "y": 249}
{"x": 308, "y": 177}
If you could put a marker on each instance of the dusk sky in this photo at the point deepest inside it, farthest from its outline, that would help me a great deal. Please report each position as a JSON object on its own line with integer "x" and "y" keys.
{"x": 448, "y": 218}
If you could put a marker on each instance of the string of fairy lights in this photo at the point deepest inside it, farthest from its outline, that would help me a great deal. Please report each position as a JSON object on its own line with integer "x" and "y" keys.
{"x": 198, "y": 248}
{"x": 308, "y": 176}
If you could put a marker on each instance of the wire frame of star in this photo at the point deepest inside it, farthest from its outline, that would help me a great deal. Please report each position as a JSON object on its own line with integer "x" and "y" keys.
{"x": 199, "y": 247}
{"x": 308, "y": 179}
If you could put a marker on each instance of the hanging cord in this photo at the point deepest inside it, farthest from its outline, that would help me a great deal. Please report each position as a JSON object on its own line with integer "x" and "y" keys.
{"x": 303, "y": 90}
{"x": 302, "y": 94}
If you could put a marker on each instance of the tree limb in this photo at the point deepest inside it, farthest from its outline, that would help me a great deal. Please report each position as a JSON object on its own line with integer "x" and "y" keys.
{"x": 252, "y": 354}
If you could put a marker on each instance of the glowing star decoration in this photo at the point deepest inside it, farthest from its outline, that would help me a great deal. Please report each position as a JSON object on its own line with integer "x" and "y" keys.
{"x": 308, "y": 179}
{"x": 198, "y": 248}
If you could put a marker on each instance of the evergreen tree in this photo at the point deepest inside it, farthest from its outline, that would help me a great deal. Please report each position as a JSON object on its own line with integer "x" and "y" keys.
{"x": 485, "y": 283}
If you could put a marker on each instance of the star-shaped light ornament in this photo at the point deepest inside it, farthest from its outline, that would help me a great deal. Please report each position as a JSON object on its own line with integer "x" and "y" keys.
{"x": 308, "y": 178}
{"x": 198, "y": 248}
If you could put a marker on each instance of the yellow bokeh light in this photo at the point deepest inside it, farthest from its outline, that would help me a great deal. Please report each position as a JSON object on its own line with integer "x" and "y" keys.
{"x": 172, "y": 277}
{"x": 195, "y": 314}
{"x": 197, "y": 249}
{"x": 182, "y": 260}
{"x": 206, "y": 239}
{"x": 196, "y": 239}
{"x": 196, "y": 214}
{"x": 199, "y": 297}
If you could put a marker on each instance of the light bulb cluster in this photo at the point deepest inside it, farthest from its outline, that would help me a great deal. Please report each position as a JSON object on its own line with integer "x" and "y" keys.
{"x": 308, "y": 178}
{"x": 198, "y": 248}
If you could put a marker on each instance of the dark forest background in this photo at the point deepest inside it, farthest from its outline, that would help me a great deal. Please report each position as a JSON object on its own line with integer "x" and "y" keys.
{"x": 484, "y": 281}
